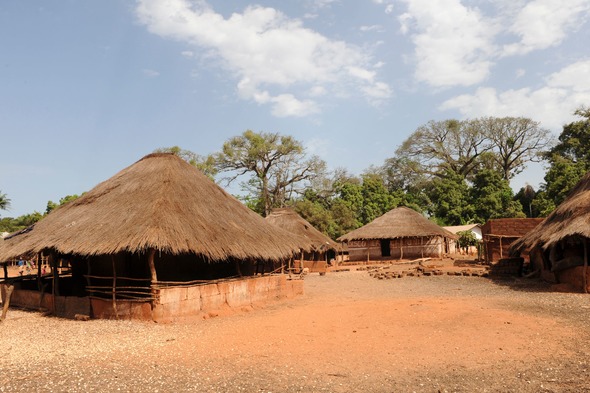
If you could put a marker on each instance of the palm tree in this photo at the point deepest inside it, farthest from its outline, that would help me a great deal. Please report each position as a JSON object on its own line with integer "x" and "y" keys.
{"x": 4, "y": 202}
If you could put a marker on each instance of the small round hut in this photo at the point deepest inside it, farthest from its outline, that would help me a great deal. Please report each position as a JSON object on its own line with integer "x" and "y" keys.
{"x": 157, "y": 240}
{"x": 322, "y": 248}
{"x": 401, "y": 233}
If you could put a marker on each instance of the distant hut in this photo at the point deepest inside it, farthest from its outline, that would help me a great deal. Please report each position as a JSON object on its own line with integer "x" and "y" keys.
{"x": 322, "y": 248}
{"x": 401, "y": 233}
{"x": 146, "y": 242}
{"x": 474, "y": 229}
{"x": 559, "y": 245}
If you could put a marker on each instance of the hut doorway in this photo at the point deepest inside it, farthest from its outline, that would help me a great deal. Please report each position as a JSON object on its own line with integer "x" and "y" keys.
{"x": 385, "y": 249}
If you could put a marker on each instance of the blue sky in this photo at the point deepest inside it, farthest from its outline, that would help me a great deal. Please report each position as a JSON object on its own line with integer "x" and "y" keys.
{"x": 89, "y": 87}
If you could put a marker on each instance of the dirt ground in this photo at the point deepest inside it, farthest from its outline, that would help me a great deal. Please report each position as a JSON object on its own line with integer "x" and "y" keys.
{"x": 350, "y": 332}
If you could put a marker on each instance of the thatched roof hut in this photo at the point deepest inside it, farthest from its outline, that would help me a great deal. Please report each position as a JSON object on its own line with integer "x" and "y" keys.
{"x": 151, "y": 242}
{"x": 162, "y": 203}
{"x": 559, "y": 245}
{"x": 397, "y": 223}
{"x": 400, "y": 232}
{"x": 570, "y": 218}
{"x": 287, "y": 219}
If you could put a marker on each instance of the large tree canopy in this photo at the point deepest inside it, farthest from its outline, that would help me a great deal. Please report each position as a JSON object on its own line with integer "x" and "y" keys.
{"x": 277, "y": 166}
{"x": 464, "y": 147}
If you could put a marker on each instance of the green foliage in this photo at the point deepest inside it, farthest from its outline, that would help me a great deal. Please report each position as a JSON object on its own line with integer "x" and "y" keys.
{"x": 492, "y": 197}
{"x": 449, "y": 196}
{"x": 377, "y": 200}
{"x": 467, "y": 239}
{"x": 4, "y": 202}
{"x": 568, "y": 160}
{"x": 204, "y": 164}
{"x": 52, "y": 205}
{"x": 276, "y": 164}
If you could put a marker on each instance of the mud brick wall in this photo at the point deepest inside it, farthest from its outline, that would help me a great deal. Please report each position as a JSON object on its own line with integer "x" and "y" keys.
{"x": 499, "y": 234}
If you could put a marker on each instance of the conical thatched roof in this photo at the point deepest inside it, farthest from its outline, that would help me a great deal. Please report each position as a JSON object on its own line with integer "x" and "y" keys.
{"x": 397, "y": 223}
{"x": 292, "y": 222}
{"x": 572, "y": 217}
{"x": 160, "y": 202}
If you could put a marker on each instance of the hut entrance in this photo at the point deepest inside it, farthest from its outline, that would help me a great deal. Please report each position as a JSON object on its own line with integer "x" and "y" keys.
{"x": 385, "y": 249}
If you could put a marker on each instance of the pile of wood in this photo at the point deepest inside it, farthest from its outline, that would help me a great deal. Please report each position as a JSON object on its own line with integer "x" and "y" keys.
{"x": 385, "y": 273}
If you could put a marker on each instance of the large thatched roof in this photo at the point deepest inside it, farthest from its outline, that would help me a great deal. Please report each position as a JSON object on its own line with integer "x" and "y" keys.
{"x": 572, "y": 217}
{"x": 160, "y": 202}
{"x": 397, "y": 223}
{"x": 292, "y": 222}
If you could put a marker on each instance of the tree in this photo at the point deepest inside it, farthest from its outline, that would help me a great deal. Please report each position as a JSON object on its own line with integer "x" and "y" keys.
{"x": 525, "y": 196}
{"x": 204, "y": 164}
{"x": 492, "y": 197}
{"x": 52, "y": 205}
{"x": 4, "y": 202}
{"x": 515, "y": 141}
{"x": 443, "y": 145}
{"x": 568, "y": 161}
{"x": 449, "y": 196}
{"x": 277, "y": 165}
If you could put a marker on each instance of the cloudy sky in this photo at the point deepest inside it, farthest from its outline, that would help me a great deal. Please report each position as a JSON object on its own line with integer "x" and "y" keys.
{"x": 89, "y": 87}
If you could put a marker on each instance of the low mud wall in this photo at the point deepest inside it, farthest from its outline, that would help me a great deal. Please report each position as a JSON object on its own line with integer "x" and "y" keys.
{"x": 171, "y": 302}
{"x": 205, "y": 299}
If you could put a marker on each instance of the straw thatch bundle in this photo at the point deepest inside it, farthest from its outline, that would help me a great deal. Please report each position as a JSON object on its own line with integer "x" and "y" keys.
{"x": 160, "y": 202}
{"x": 292, "y": 222}
{"x": 572, "y": 217}
{"x": 398, "y": 223}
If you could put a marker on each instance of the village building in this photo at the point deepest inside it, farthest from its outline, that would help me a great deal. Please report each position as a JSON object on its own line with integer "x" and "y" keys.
{"x": 156, "y": 241}
{"x": 323, "y": 249}
{"x": 558, "y": 247}
{"x": 401, "y": 233}
{"x": 499, "y": 234}
{"x": 474, "y": 229}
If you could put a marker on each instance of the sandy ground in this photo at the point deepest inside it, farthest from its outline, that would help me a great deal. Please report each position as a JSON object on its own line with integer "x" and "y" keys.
{"x": 349, "y": 332}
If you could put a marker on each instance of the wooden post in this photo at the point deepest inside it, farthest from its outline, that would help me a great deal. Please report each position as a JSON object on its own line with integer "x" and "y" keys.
{"x": 151, "y": 255}
{"x": 301, "y": 262}
{"x": 39, "y": 283}
{"x": 55, "y": 287}
{"x": 501, "y": 247}
{"x": 238, "y": 270}
{"x": 585, "y": 270}
{"x": 422, "y": 246}
{"x": 6, "y": 301}
{"x": 5, "y": 267}
{"x": 114, "y": 297}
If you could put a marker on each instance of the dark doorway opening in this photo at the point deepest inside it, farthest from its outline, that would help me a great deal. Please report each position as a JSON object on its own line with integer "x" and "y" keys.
{"x": 385, "y": 250}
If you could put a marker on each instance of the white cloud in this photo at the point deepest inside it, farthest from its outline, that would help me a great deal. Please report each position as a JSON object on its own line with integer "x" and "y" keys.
{"x": 264, "y": 50}
{"x": 187, "y": 53}
{"x": 376, "y": 28}
{"x": 453, "y": 43}
{"x": 541, "y": 24}
{"x": 553, "y": 104}
{"x": 150, "y": 73}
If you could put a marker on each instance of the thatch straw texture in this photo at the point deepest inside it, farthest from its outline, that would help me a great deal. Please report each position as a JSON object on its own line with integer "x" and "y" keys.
{"x": 160, "y": 202}
{"x": 292, "y": 222}
{"x": 398, "y": 223}
{"x": 572, "y": 217}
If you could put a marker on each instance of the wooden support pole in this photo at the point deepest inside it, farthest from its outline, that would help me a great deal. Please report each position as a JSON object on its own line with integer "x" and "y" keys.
{"x": 53, "y": 260}
{"x": 114, "y": 297}
{"x": 154, "y": 275}
{"x": 39, "y": 282}
{"x": 585, "y": 270}
{"x": 6, "y": 301}
{"x": 5, "y": 267}
{"x": 238, "y": 270}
